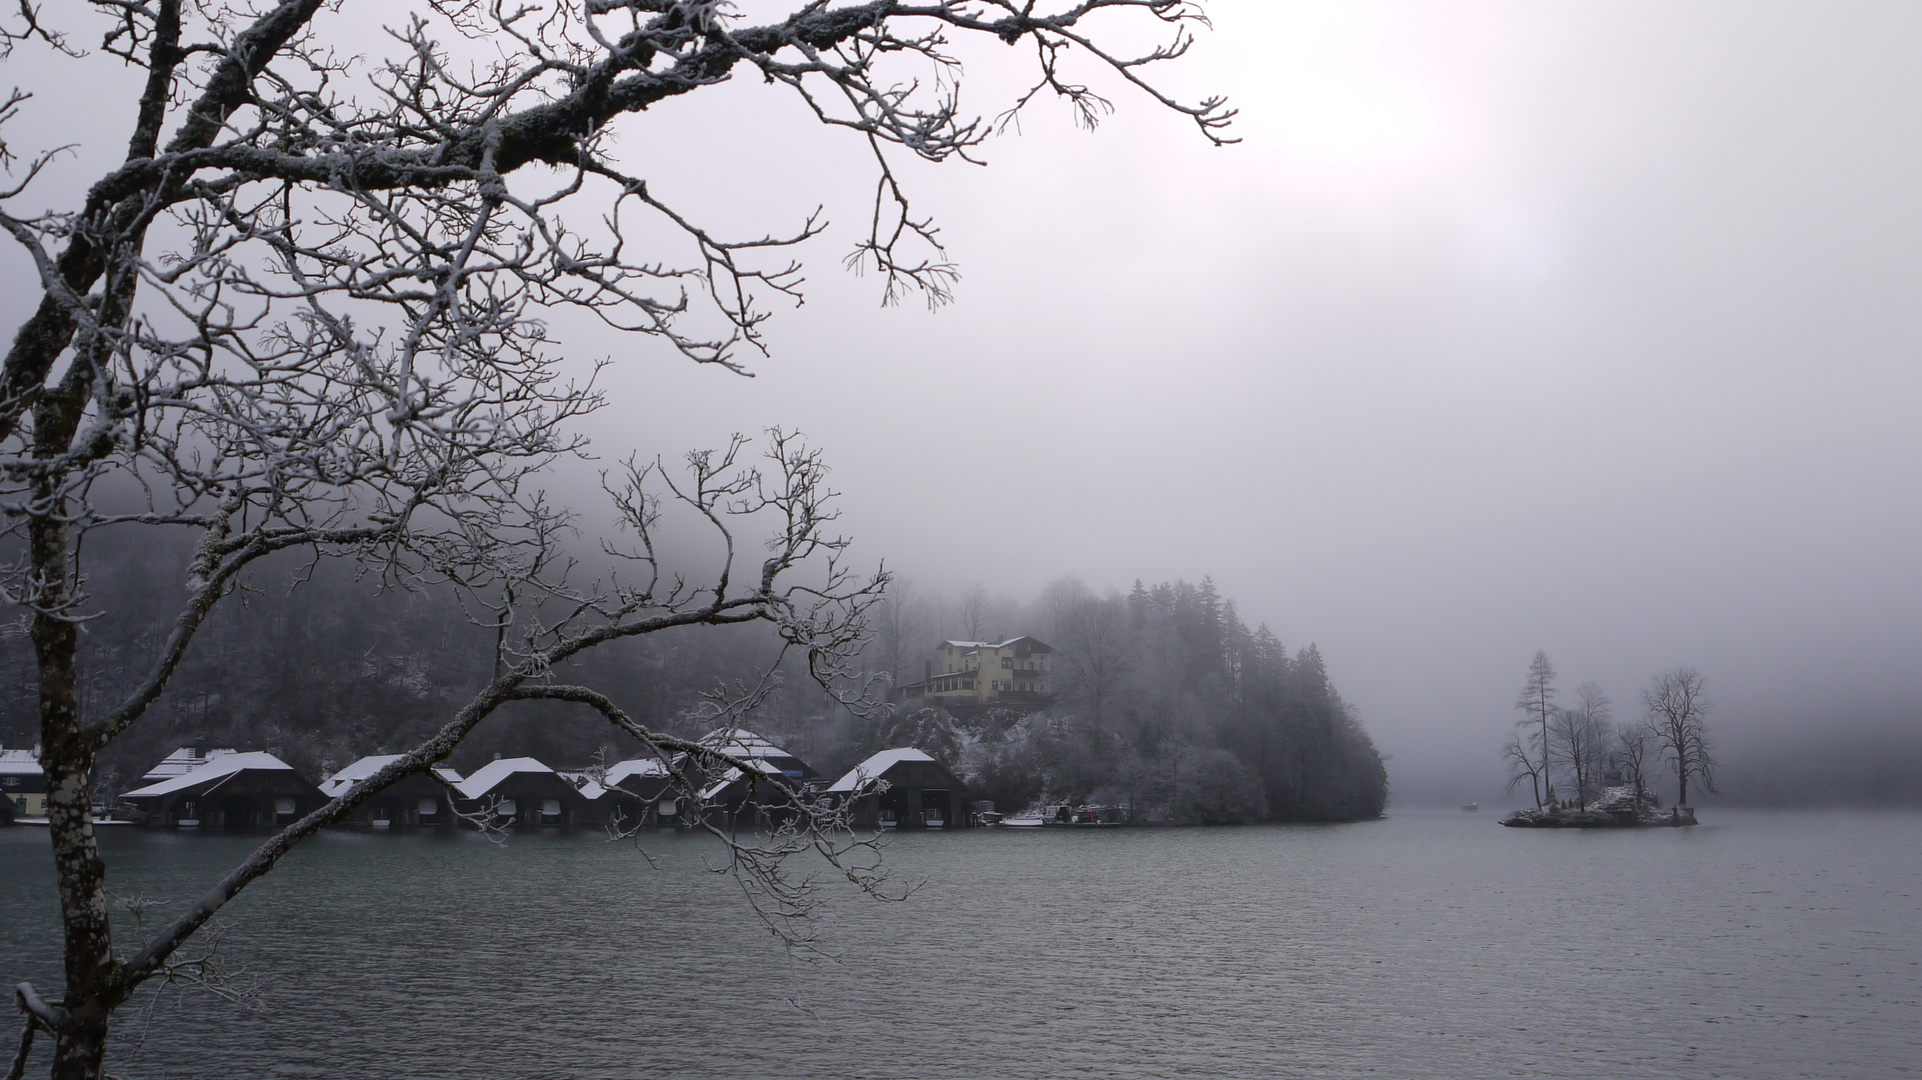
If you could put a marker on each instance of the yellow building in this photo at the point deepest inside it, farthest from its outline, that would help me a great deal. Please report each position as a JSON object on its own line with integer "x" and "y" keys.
{"x": 1013, "y": 672}
{"x": 22, "y": 785}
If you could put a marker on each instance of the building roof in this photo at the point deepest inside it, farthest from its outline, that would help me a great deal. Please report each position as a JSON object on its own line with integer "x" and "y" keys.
{"x": 872, "y": 769}
{"x": 185, "y": 759}
{"x": 216, "y": 767}
{"x": 1038, "y": 643}
{"x": 635, "y": 767}
{"x": 588, "y": 786}
{"x": 742, "y": 743}
{"x": 19, "y": 763}
{"x": 338, "y": 783}
{"x": 732, "y": 774}
{"x": 489, "y": 776}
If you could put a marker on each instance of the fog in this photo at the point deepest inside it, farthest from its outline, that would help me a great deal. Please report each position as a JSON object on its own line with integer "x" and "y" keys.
{"x": 1588, "y": 328}
{"x": 1582, "y": 327}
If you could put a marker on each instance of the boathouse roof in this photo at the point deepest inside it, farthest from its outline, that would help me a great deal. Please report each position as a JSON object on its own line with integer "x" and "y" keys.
{"x": 633, "y": 767}
{"x": 214, "y": 768}
{"x": 876, "y": 765}
{"x": 742, "y": 743}
{"x": 184, "y": 760}
{"x": 732, "y": 774}
{"x": 338, "y": 783}
{"x": 489, "y": 776}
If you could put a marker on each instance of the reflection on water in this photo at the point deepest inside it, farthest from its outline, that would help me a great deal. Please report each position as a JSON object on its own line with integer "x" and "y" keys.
{"x": 1426, "y": 945}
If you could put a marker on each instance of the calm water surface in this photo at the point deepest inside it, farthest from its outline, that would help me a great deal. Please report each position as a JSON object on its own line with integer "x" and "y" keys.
{"x": 1426, "y": 945}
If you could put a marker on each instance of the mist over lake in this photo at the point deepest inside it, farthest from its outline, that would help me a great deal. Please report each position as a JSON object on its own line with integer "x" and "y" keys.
{"x": 1764, "y": 945}
{"x": 1305, "y": 538}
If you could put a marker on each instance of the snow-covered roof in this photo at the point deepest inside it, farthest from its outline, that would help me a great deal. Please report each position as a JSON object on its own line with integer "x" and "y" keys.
{"x": 733, "y": 774}
{"x": 184, "y": 760}
{"x": 19, "y": 763}
{"x": 742, "y": 743}
{"x": 582, "y": 782}
{"x": 338, "y": 783}
{"x": 998, "y": 644}
{"x": 636, "y": 767}
{"x": 226, "y": 764}
{"x": 873, "y": 767}
{"x": 490, "y": 775}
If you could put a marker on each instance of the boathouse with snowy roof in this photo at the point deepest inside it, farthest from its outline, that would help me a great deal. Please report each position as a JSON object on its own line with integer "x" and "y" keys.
{"x": 184, "y": 760}
{"x": 228, "y": 791}
{"x": 523, "y": 791}
{"x": 904, "y": 788}
{"x": 640, "y": 791}
{"x": 760, "y": 794}
{"x": 419, "y": 799}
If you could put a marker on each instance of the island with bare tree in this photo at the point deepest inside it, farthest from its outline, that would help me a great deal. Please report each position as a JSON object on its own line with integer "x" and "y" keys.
{"x": 1605, "y": 767}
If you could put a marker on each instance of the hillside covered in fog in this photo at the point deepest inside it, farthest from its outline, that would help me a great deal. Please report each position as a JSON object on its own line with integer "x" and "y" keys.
{"x": 1162, "y": 700}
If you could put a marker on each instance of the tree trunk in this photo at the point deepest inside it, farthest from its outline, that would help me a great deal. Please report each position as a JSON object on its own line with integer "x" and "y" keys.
{"x": 67, "y": 756}
{"x": 1548, "y": 786}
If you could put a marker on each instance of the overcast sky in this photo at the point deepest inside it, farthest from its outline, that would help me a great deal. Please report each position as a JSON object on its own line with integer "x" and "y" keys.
{"x": 1583, "y": 327}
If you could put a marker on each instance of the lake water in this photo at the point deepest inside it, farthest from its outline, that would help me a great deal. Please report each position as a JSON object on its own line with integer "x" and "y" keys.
{"x": 1430, "y": 945}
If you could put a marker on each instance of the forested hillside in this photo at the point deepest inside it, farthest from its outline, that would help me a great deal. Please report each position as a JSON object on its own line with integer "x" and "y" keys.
{"x": 1164, "y": 699}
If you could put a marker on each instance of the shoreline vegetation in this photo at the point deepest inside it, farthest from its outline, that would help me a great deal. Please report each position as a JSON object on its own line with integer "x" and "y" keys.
{"x": 1619, "y": 807}
{"x": 1163, "y": 699}
{"x": 1608, "y": 766}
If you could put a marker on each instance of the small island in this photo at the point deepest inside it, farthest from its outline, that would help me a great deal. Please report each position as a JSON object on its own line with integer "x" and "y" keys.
{"x": 1608, "y": 765}
{"x": 1619, "y": 807}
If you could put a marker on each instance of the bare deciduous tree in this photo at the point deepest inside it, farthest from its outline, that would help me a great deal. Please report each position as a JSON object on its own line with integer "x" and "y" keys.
{"x": 1537, "y": 705}
{"x": 1094, "y": 643}
{"x": 1634, "y": 744}
{"x": 311, "y": 311}
{"x": 976, "y": 612}
{"x": 1677, "y": 711}
{"x": 1578, "y": 738}
{"x": 900, "y": 630}
{"x": 1523, "y": 765}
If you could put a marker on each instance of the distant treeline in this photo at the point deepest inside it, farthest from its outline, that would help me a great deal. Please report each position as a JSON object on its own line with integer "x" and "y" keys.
{"x": 339, "y": 667}
{"x": 1166, "y": 701}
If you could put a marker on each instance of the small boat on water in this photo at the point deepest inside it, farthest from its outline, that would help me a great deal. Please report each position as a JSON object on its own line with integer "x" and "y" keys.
{"x": 1470, "y": 808}
{"x": 1021, "y": 823}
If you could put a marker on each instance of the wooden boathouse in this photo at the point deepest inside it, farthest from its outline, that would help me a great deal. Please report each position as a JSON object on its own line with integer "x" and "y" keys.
{"x": 231, "y": 791}
{"x": 903, "y": 789}
{"x": 522, "y": 791}
{"x": 641, "y": 792}
{"x": 421, "y": 799}
{"x": 753, "y": 797}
